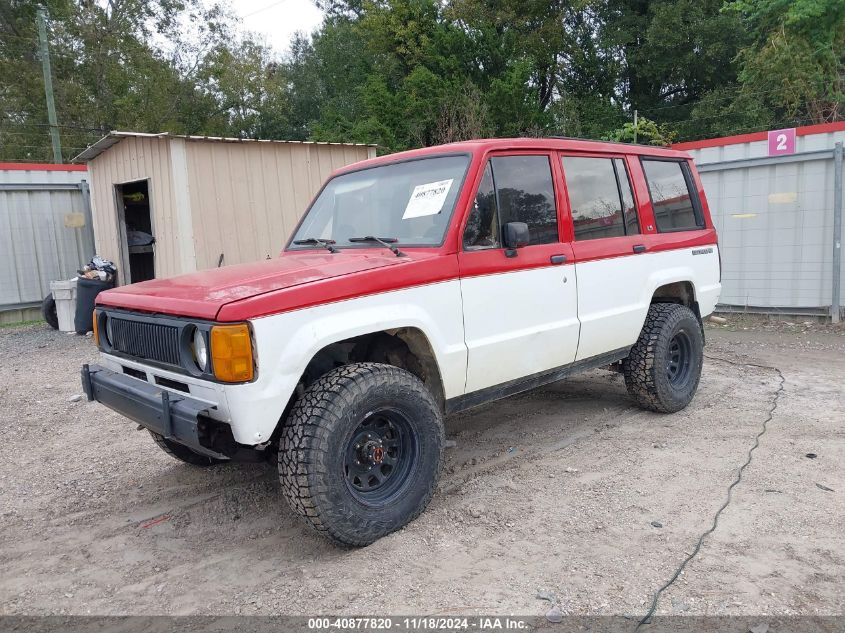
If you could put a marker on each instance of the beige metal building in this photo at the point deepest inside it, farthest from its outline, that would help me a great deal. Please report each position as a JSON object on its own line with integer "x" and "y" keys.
{"x": 205, "y": 201}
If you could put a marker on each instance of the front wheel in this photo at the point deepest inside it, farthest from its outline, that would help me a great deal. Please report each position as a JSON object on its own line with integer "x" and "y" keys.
{"x": 360, "y": 452}
{"x": 664, "y": 366}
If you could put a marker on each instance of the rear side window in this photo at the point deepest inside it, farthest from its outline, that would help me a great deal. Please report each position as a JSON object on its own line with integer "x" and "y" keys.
{"x": 629, "y": 207}
{"x": 513, "y": 189}
{"x": 675, "y": 201}
{"x": 600, "y": 197}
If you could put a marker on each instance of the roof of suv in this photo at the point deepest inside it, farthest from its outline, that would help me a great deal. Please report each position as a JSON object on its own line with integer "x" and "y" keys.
{"x": 489, "y": 144}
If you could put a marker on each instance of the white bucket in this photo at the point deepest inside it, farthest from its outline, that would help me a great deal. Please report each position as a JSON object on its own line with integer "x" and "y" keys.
{"x": 64, "y": 294}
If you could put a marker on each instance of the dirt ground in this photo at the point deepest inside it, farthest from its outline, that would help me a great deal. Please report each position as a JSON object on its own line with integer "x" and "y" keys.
{"x": 557, "y": 491}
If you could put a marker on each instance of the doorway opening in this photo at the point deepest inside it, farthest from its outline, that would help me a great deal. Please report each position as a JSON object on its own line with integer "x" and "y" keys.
{"x": 133, "y": 200}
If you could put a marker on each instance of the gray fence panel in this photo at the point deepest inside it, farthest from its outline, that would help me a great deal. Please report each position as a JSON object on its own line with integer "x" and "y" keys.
{"x": 774, "y": 224}
{"x": 774, "y": 216}
{"x": 35, "y": 245}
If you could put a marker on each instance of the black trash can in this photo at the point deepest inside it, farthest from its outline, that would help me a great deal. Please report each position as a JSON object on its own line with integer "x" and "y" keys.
{"x": 86, "y": 294}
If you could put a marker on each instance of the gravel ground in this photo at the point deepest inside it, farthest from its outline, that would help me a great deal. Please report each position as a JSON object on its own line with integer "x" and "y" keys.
{"x": 567, "y": 492}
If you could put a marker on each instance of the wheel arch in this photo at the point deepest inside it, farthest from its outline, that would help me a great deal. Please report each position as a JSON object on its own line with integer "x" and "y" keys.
{"x": 406, "y": 347}
{"x": 682, "y": 292}
{"x": 425, "y": 320}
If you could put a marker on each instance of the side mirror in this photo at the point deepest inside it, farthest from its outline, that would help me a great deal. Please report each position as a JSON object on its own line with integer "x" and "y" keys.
{"x": 515, "y": 236}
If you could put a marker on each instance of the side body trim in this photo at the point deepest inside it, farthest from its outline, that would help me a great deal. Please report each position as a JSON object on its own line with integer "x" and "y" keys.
{"x": 513, "y": 387}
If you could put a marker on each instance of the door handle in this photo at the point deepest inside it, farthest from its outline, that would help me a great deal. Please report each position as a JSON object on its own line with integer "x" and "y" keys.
{"x": 639, "y": 248}
{"x": 557, "y": 259}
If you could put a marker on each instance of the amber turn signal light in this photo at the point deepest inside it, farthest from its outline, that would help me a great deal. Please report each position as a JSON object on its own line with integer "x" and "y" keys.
{"x": 231, "y": 353}
{"x": 95, "y": 330}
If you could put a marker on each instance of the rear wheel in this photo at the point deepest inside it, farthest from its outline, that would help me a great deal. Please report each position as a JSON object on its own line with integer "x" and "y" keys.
{"x": 663, "y": 368}
{"x": 360, "y": 452}
{"x": 183, "y": 453}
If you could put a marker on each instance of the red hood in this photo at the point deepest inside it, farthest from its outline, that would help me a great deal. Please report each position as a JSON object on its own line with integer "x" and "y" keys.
{"x": 203, "y": 294}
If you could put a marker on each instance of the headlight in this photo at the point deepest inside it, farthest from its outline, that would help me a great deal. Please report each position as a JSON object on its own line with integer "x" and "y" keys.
{"x": 200, "y": 350}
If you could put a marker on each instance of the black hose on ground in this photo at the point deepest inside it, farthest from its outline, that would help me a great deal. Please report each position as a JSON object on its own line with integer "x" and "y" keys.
{"x": 774, "y": 405}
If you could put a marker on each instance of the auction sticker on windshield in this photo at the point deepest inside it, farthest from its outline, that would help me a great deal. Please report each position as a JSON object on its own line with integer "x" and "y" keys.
{"x": 427, "y": 199}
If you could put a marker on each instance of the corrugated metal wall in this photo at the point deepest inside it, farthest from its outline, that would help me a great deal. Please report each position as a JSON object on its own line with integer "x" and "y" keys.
{"x": 135, "y": 158}
{"x": 774, "y": 216}
{"x": 35, "y": 245}
{"x": 246, "y": 198}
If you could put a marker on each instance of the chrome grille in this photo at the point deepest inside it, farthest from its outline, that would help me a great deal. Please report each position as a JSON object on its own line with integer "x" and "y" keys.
{"x": 150, "y": 341}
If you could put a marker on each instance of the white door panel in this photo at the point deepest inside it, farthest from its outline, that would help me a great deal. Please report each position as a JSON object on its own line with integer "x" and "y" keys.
{"x": 615, "y": 293}
{"x": 611, "y": 305}
{"x": 519, "y": 323}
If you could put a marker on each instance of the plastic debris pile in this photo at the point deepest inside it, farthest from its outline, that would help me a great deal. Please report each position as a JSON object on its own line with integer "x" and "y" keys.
{"x": 98, "y": 268}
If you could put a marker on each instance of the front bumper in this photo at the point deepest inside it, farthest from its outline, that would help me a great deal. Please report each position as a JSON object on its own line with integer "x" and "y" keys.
{"x": 169, "y": 414}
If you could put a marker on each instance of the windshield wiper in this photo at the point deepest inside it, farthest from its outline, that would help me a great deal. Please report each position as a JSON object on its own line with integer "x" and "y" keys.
{"x": 319, "y": 242}
{"x": 387, "y": 242}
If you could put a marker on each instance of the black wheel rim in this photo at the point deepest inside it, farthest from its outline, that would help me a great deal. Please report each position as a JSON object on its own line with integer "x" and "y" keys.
{"x": 679, "y": 359}
{"x": 380, "y": 457}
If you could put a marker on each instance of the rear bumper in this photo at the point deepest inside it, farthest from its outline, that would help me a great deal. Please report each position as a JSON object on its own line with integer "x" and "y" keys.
{"x": 171, "y": 415}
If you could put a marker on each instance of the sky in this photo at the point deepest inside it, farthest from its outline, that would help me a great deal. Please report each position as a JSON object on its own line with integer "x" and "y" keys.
{"x": 278, "y": 20}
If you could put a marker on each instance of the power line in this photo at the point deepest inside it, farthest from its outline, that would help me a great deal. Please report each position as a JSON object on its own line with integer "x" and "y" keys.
{"x": 46, "y": 146}
{"x": 705, "y": 99}
{"x": 722, "y": 115}
{"x": 65, "y": 133}
{"x": 25, "y": 38}
{"x": 269, "y": 6}
{"x": 71, "y": 127}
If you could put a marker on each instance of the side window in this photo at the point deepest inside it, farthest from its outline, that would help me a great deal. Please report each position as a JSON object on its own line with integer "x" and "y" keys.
{"x": 629, "y": 207}
{"x": 594, "y": 197}
{"x": 525, "y": 193}
{"x": 671, "y": 196}
{"x": 482, "y": 229}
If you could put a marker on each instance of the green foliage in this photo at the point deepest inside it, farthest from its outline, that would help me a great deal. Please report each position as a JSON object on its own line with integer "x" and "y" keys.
{"x": 796, "y": 63}
{"x": 408, "y": 73}
{"x": 645, "y": 132}
{"x": 199, "y": 77}
{"x": 674, "y": 52}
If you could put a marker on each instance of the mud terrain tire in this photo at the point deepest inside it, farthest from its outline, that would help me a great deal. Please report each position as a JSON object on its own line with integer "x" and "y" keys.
{"x": 360, "y": 452}
{"x": 664, "y": 366}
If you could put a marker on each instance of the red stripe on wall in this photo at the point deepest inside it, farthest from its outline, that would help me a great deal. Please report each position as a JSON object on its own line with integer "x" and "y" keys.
{"x": 821, "y": 128}
{"x": 42, "y": 167}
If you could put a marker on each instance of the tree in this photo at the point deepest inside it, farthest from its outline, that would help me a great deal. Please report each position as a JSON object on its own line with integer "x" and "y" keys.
{"x": 672, "y": 52}
{"x": 796, "y": 63}
{"x": 407, "y": 73}
{"x": 198, "y": 78}
{"x": 644, "y": 132}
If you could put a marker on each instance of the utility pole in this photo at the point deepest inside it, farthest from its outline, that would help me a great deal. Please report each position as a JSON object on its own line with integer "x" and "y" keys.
{"x": 48, "y": 86}
{"x": 636, "y": 113}
{"x": 835, "y": 308}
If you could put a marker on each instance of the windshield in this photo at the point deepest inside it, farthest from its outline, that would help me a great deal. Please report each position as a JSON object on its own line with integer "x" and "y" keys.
{"x": 410, "y": 201}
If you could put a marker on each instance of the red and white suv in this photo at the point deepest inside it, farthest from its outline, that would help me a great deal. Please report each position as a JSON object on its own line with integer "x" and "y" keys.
{"x": 417, "y": 285}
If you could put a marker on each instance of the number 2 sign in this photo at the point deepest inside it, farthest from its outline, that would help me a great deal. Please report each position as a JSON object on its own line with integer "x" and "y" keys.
{"x": 782, "y": 142}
